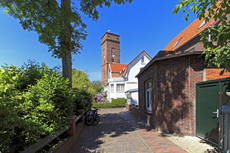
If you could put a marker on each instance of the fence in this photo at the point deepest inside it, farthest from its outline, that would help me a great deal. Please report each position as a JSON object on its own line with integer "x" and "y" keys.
{"x": 70, "y": 129}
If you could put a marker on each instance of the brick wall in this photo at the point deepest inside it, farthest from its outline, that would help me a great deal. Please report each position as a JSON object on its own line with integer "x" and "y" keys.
{"x": 193, "y": 44}
{"x": 173, "y": 93}
{"x": 213, "y": 73}
{"x": 115, "y": 74}
{"x": 110, "y": 45}
{"x": 104, "y": 73}
{"x": 150, "y": 73}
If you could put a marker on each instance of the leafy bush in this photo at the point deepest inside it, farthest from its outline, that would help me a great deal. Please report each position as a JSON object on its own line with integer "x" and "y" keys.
{"x": 79, "y": 79}
{"x": 37, "y": 109}
{"x": 99, "y": 98}
{"x": 9, "y": 105}
{"x": 115, "y": 103}
{"x": 82, "y": 99}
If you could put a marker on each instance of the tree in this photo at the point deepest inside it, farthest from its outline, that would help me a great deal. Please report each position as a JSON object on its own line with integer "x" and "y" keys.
{"x": 58, "y": 25}
{"x": 80, "y": 78}
{"x": 218, "y": 49}
{"x": 97, "y": 86}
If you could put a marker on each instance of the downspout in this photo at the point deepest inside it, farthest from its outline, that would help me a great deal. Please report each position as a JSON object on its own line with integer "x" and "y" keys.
{"x": 190, "y": 126}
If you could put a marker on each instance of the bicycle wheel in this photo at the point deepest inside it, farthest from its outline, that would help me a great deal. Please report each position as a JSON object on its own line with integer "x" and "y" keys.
{"x": 89, "y": 120}
{"x": 96, "y": 120}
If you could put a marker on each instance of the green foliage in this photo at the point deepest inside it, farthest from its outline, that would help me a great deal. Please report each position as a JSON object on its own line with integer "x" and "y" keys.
{"x": 218, "y": 49}
{"x": 54, "y": 21}
{"x": 79, "y": 79}
{"x": 83, "y": 99}
{"x": 38, "y": 109}
{"x": 97, "y": 86}
{"x": 121, "y": 102}
{"x": 9, "y": 105}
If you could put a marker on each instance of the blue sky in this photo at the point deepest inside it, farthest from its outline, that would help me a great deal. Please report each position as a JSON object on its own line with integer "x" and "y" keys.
{"x": 142, "y": 25}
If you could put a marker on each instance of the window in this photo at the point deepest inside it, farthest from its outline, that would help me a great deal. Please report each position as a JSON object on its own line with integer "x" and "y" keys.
{"x": 112, "y": 88}
{"x": 177, "y": 42}
{"x": 143, "y": 59}
{"x": 202, "y": 24}
{"x": 148, "y": 97}
{"x": 112, "y": 59}
{"x": 120, "y": 87}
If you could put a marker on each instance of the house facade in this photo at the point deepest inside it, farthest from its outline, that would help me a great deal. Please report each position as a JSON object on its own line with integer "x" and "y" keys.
{"x": 119, "y": 79}
{"x": 166, "y": 85}
{"x": 131, "y": 82}
{"x": 116, "y": 84}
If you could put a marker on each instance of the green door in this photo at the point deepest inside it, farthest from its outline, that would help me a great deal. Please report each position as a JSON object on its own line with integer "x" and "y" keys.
{"x": 207, "y": 104}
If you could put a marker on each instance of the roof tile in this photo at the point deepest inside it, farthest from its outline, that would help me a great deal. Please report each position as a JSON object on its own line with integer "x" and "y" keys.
{"x": 188, "y": 33}
{"x": 117, "y": 67}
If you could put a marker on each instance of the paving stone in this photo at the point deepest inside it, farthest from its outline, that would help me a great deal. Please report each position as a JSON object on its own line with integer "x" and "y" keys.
{"x": 119, "y": 131}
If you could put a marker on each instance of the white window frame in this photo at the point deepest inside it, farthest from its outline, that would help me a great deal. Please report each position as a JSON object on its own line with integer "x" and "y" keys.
{"x": 112, "y": 88}
{"x": 120, "y": 89}
{"x": 148, "y": 96}
{"x": 142, "y": 60}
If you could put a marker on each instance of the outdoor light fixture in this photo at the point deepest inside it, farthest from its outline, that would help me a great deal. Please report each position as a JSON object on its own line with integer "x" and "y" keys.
{"x": 85, "y": 87}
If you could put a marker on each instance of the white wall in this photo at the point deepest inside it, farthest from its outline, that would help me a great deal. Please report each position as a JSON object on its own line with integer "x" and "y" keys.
{"x": 131, "y": 82}
{"x": 134, "y": 69}
{"x": 134, "y": 98}
{"x": 115, "y": 94}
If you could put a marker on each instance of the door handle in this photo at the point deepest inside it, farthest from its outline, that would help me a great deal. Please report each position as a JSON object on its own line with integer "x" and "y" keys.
{"x": 217, "y": 112}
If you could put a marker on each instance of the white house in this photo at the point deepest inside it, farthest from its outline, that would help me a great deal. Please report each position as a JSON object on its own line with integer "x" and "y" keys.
{"x": 129, "y": 73}
{"x": 116, "y": 83}
{"x": 121, "y": 79}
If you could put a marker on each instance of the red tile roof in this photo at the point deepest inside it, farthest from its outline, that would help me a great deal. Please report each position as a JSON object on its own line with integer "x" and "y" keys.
{"x": 117, "y": 67}
{"x": 124, "y": 73}
{"x": 188, "y": 33}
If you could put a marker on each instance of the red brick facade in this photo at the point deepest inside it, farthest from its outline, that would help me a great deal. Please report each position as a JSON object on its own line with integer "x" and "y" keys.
{"x": 212, "y": 74}
{"x": 110, "y": 53}
{"x": 174, "y": 73}
{"x": 173, "y": 92}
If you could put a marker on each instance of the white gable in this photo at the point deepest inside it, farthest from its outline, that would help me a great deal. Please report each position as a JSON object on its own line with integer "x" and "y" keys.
{"x": 135, "y": 66}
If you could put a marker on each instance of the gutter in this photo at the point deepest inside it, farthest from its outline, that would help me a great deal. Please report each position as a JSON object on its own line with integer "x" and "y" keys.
{"x": 167, "y": 57}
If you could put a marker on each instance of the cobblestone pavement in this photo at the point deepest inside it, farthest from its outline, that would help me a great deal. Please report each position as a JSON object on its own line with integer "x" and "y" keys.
{"x": 119, "y": 131}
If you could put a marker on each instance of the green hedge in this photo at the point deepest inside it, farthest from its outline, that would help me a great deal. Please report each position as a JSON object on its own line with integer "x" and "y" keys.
{"x": 115, "y": 103}
{"x": 34, "y": 101}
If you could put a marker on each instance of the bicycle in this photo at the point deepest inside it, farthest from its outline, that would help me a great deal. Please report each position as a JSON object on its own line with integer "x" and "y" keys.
{"x": 93, "y": 117}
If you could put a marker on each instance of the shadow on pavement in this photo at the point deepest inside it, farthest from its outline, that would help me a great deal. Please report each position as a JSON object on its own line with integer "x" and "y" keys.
{"x": 111, "y": 125}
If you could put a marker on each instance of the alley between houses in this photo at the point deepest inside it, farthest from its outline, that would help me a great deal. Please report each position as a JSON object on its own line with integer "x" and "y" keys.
{"x": 120, "y": 131}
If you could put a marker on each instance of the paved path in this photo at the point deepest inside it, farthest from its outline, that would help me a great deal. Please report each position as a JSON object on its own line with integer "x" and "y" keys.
{"x": 119, "y": 131}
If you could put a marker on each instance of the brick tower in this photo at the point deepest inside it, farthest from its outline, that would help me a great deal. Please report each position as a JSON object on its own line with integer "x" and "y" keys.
{"x": 110, "y": 53}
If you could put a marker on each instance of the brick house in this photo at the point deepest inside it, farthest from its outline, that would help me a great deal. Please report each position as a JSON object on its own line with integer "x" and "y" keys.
{"x": 167, "y": 83}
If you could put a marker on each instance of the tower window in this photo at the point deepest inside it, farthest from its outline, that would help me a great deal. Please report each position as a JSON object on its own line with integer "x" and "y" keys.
{"x": 104, "y": 61}
{"x": 112, "y": 59}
